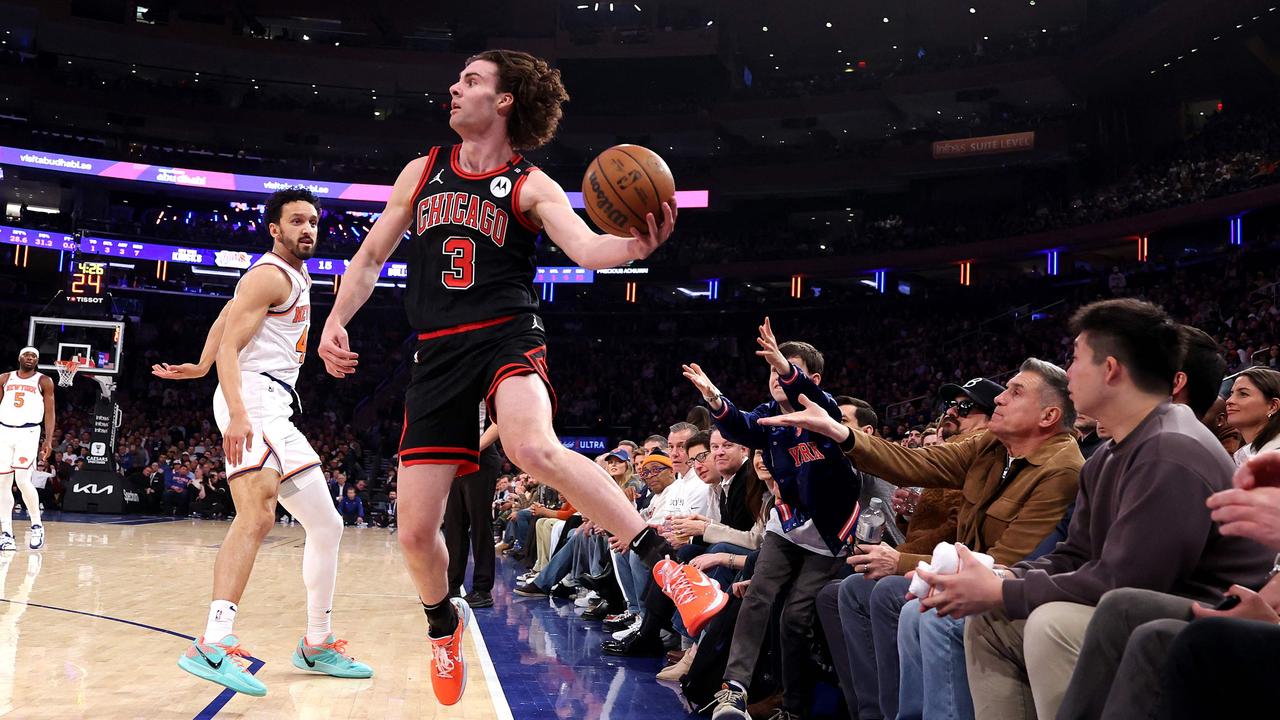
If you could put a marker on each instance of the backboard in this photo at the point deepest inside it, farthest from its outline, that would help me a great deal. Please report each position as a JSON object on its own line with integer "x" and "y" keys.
{"x": 95, "y": 344}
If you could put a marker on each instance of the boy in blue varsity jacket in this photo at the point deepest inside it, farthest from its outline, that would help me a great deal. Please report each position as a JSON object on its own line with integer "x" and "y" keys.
{"x": 805, "y": 537}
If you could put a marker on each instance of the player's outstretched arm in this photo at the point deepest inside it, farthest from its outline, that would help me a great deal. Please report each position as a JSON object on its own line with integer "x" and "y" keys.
{"x": 257, "y": 293}
{"x": 362, "y": 273}
{"x": 193, "y": 371}
{"x": 544, "y": 202}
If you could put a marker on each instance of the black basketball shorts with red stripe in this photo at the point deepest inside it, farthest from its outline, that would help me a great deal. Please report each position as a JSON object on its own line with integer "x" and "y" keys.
{"x": 454, "y": 369}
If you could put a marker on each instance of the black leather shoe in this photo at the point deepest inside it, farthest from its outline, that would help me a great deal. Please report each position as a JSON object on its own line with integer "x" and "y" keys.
{"x": 600, "y": 611}
{"x": 635, "y": 645}
{"x": 563, "y": 592}
{"x": 479, "y": 599}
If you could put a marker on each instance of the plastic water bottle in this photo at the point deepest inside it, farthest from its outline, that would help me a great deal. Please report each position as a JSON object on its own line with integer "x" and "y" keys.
{"x": 870, "y": 527}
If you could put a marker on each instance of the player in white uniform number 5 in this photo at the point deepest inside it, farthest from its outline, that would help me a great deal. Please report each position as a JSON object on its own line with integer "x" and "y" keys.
{"x": 259, "y": 342}
{"x": 26, "y": 403}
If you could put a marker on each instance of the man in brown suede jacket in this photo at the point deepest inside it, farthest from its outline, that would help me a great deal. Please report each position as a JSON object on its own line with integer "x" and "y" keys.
{"x": 968, "y": 412}
{"x": 1017, "y": 479}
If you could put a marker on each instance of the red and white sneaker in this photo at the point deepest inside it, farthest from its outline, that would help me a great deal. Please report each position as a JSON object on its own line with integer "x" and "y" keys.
{"x": 448, "y": 668}
{"x": 697, "y": 597}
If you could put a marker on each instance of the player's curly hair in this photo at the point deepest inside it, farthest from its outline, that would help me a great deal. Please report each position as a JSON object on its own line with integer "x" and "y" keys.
{"x": 538, "y": 94}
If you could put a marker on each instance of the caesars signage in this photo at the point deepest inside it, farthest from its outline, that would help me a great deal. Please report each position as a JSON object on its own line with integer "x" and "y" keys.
{"x": 986, "y": 145}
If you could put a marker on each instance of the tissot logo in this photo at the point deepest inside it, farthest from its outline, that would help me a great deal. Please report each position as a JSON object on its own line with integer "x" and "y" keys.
{"x": 93, "y": 488}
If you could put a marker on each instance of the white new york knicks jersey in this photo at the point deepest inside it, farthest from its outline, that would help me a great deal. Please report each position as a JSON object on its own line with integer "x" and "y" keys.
{"x": 23, "y": 403}
{"x": 280, "y": 345}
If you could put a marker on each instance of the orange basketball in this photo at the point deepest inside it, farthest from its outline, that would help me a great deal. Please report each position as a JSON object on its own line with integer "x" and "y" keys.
{"x": 622, "y": 185}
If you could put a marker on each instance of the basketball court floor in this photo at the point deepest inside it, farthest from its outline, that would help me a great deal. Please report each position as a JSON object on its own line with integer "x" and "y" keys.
{"x": 92, "y": 626}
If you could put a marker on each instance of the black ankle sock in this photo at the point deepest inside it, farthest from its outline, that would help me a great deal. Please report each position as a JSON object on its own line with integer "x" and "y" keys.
{"x": 651, "y": 547}
{"x": 442, "y": 618}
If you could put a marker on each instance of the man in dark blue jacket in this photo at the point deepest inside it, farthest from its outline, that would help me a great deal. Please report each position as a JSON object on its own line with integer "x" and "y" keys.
{"x": 806, "y": 535}
{"x": 352, "y": 507}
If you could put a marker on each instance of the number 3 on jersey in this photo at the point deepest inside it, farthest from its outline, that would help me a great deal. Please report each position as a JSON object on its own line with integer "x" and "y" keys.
{"x": 462, "y": 271}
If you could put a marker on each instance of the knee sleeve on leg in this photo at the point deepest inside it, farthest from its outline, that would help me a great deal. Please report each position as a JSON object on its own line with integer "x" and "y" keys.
{"x": 311, "y": 506}
{"x": 30, "y": 498}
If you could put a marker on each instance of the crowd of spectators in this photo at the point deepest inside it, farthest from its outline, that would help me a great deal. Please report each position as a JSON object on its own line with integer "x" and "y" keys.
{"x": 1067, "y": 552}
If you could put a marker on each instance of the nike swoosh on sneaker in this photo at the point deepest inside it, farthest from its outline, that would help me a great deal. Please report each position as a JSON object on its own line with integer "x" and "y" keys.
{"x": 212, "y": 664}
{"x": 704, "y": 582}
{"x": 306, "y": 659}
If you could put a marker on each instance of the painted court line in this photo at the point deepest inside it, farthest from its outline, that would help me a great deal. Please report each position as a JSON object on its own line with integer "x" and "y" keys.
{"x": 497, "y": 697}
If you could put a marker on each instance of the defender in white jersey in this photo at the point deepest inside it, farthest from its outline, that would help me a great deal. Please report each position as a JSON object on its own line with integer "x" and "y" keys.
{"x": 259, "y": 343}
{"x": 26, "y": 403}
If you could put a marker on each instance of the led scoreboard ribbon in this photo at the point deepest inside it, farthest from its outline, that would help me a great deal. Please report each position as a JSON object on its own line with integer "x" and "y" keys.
{"x": 235, "y": 182}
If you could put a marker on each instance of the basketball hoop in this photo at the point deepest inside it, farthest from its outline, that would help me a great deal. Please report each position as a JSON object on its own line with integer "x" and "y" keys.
{"x": 66, "y": 371}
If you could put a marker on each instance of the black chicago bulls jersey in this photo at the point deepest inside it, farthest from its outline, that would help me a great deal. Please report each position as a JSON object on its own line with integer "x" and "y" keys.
{"x": 471, "y": 252}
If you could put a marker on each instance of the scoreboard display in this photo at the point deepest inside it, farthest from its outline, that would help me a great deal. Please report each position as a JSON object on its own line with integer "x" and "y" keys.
{"x": 88, "y": 283}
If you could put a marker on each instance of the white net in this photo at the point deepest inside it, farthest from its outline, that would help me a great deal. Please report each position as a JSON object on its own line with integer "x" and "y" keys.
{"x": 67, "y": 372}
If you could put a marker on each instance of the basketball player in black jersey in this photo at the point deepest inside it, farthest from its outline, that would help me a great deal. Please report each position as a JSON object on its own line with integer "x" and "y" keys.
{"x": 474, "y": 211}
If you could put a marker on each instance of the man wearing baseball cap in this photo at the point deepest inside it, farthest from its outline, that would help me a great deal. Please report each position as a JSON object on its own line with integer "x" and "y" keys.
{"x": 968, "y": 407}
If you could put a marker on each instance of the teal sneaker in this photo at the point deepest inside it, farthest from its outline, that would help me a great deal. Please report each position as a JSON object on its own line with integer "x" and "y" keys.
{"x": 329, "y": 657}
{"x": 223, "y": 663}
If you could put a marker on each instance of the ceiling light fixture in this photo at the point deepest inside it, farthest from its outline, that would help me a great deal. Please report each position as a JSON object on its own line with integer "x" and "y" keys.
{"x": 884, "y": 19}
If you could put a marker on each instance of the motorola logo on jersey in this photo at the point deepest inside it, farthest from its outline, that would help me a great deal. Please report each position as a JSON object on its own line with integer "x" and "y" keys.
{"x": 500, "y": 187}
{"x": 459, "y": 208}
